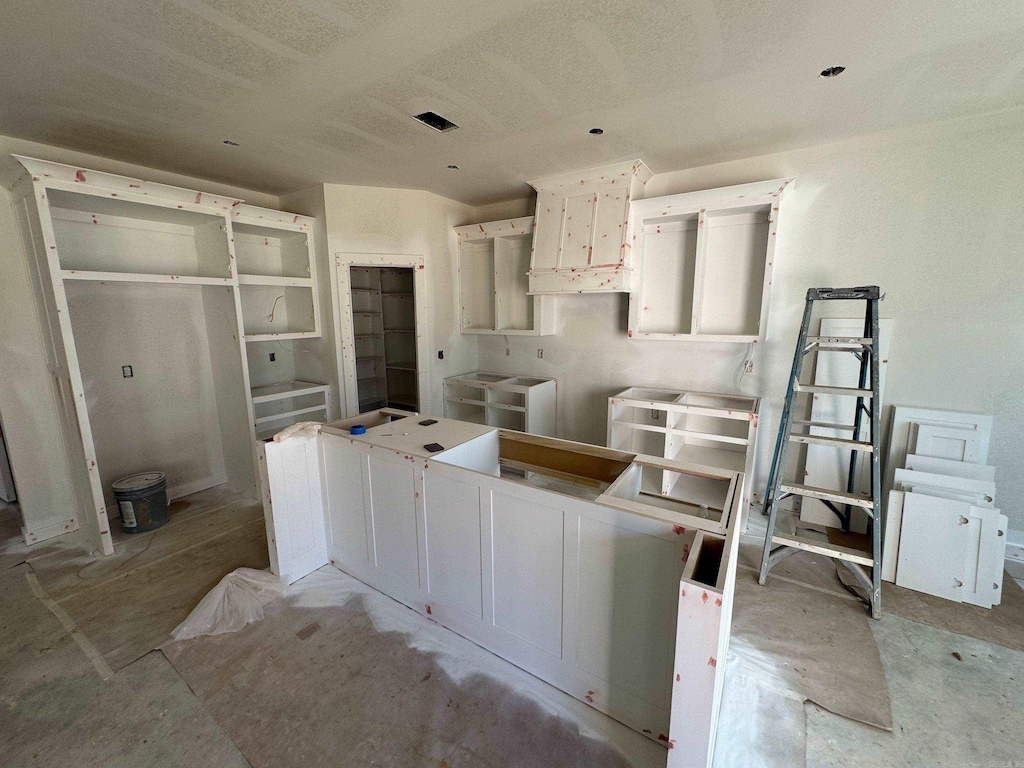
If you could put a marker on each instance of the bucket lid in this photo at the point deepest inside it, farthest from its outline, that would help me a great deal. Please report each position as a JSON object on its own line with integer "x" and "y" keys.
{"x": 139, "y": 481}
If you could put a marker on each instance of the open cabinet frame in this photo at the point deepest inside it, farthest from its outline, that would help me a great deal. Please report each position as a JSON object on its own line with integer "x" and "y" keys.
{"x": 345, "y": 338}
{"x": 731, "y": 279}
{"x": 101, "y": 196}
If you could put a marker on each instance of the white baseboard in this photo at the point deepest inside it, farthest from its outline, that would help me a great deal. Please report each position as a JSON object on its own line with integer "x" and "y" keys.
{"x": 176, "y": 492}
{"x": 1015, "y": 546}
{"x": 187, "y": 489}
{"x": 49, "y": 531}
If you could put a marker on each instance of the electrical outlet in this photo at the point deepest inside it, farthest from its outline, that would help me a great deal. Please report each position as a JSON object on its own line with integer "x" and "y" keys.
{"x": 126, "y": 371}
{"x": 749, "y": 366}
{"x": 440, "y": 354}
{"x": 273, "y": 357}
{"x": 540, "y": 353}
{"x": 508, "y": 352}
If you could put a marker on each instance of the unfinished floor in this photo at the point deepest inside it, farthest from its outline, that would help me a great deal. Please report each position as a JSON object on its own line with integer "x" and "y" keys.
{"x": 338, "y": 674}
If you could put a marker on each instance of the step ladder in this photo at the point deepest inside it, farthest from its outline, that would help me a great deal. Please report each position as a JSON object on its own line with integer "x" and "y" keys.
{"x": 779, "y": 546}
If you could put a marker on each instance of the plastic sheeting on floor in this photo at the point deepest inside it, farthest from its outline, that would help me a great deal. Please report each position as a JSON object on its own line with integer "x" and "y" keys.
{"x": 238, "y": 599}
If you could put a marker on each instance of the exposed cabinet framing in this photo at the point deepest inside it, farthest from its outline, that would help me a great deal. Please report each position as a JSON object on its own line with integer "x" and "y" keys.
{"x": 277, "y": 277}
{"x": 702, "y": 263}
{"x": 494, "y": 262}
{"x": 146, "y": 296}
{"x": 699, "y": 427}
{"x": 580, "y": 241}
{"x": 523, "y": 403}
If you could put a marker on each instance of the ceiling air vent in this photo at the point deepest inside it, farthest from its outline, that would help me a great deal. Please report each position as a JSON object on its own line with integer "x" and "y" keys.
{"x": 436, "y": 122}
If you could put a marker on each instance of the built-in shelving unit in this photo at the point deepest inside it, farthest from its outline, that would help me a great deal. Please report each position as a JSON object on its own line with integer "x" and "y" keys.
{"x": 277, "y": 281}
{"x": 700, "y": 427}
{"x": 702, "y": 263}
{"x": 523, "y": 403}
{"x": 494, "y": 262}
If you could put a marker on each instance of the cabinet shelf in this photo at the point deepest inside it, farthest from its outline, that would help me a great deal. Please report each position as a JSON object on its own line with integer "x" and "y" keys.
{"x": 286, "y": 389}
{"x": 294, "y": 282}
{"x": 139, "y": 277}
{"x": 290, "y": 414}
{"x": 253, "y": 337}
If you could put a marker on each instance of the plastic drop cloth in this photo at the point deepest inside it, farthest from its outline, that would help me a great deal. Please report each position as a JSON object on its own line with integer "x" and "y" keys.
{"x": 237, "y": 600}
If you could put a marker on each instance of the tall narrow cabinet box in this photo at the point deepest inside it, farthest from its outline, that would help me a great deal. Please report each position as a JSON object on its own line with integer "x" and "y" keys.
{"x": 580, "y": 239}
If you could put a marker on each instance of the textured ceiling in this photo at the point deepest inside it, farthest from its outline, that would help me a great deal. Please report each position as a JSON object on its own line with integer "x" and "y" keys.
{"x": 322, "y": 90}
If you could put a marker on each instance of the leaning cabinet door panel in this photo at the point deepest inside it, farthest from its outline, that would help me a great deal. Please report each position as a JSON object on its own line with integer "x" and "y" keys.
{"x": 343, "y": 484}
{"x": 452, "y": 511}
{"x": 526, "y": 547}
{"x": 393, "y": 514}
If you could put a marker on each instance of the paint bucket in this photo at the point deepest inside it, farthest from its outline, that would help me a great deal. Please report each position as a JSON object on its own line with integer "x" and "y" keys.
{"x": 142, "y": 500}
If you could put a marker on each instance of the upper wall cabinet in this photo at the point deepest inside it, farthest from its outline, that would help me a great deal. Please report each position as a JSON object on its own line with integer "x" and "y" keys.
{"x": 494, "y": 259}
{"x": 702, "y": 263}
{"x": 581, "y": 242}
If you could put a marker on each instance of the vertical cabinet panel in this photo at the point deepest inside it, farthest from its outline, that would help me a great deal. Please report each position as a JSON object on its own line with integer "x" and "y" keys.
{"x": 393, "y": 513}
{"x": 452, "y": 514}
{"x": 626, "y": 641}
{"x": 526, "y": 572}
{"x": 576, "y": 234}
{"x": 293, "y": 468}
{"x": 609, "y": 221}
{"x": 343, "y": 482}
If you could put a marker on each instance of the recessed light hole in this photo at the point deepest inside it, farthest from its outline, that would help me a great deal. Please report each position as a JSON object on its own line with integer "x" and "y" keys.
{"x": 453, "y": 167}
{"x": 231, "y": 143}
{"x": 596, "y": 131}
{"x": 832, "y": 71}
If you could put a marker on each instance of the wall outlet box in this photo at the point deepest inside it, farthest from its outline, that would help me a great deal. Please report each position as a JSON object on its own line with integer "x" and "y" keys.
{"x": 126, "y": 371}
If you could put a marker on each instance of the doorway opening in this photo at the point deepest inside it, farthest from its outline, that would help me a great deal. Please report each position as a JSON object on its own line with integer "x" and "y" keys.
{"x": 384, "y": 334}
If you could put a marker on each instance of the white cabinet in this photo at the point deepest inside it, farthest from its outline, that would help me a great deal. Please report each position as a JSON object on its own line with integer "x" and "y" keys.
{"x": 494, "y": 259}
{"x": 702, "y": 263}
{"x": 701, "y": 427}
{"x": 580, "y": 241}
{"x": 278, "y": 290}
{"x": 524, "y": 403}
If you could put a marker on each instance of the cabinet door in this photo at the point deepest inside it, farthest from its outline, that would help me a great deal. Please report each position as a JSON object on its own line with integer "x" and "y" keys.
{"x": 393, "y": 516}
{"x": 547, "y": 236}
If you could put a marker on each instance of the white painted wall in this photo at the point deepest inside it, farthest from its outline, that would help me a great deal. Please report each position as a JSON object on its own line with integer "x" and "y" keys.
{"x": 375, "y": 220}
{"x": 152, "y": 420}
{"x": 30, "y": 420}
{"x": 933, "y": 214}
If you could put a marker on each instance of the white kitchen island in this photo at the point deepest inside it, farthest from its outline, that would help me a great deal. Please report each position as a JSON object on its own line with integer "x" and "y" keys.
{"x": 609, "y": 575}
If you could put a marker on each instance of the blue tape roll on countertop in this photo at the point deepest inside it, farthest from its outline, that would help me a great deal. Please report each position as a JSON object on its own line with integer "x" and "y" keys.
{"x": 357, "y": 429}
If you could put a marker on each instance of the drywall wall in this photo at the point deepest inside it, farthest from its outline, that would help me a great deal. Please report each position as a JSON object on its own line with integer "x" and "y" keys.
{"x": 933, "y": 215}
{"x": 30, "y": 417}
{"x": 164, "y": 417}
{"x": 388, "y": 221}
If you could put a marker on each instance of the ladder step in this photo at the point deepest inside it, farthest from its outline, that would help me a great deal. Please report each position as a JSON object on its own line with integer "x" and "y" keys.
{"x": 822, "y": 424}
{"x": 848, "y": 391}
{"x": 827, "y": 494}
{"x": 827, "y": 348}
{"x": 836, "y": 442}
{"x": 824, "y": 548}
{"x": 860, "y": 341}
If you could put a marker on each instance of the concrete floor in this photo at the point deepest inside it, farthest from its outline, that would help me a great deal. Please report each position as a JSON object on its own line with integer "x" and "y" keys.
{"x": 954, "y": 700}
